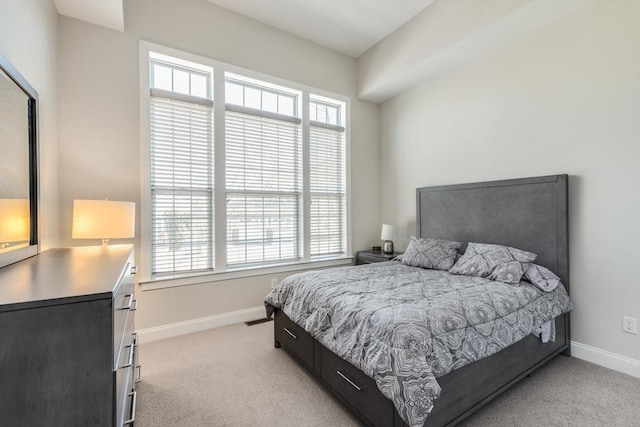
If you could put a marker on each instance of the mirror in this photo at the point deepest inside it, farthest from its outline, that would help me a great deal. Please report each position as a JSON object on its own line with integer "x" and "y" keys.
{"x": 18, "y": 166}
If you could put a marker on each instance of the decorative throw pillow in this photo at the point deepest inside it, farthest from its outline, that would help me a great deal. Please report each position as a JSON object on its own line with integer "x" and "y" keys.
{"x": 542, "y": 277}
{"x": 431, "y": 253}
{"x": 495, "y": 262}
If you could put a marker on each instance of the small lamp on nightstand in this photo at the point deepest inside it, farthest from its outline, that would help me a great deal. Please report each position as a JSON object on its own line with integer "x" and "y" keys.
{"x": 103, "y": 219}
{"x": 388, "y": 234}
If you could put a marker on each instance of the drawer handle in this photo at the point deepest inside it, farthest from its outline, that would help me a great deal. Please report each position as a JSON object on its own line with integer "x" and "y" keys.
{"x": 138, "y": 369}
{"x": 138, "y": 376}
{"x": 354, "y": 385}
{"x": 134, "y": 400}
{"x": 135, "y": 305}
{"x": 291, "y": 333}
{"x": 128, "y": 306}
{"x": 134, "y": 270}
{"x": 132, "y": 349}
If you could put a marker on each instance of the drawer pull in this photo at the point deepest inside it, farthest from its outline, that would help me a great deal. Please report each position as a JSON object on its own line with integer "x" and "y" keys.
{"x": 132, "y": 349}
{"x": 134, "y": 270}
{"x": 291, "y": 333}
{"x": 135, "y": 305}
{"x": 344, "y": 377}
{"x": 138, "y": 369}
{"x": 138, "y": 376}
{"x": 128, "y": 306}
{"x": 134, "y": 400}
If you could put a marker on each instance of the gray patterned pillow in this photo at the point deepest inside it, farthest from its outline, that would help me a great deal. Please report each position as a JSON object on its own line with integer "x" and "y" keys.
{"x": 495, "y": 262}
{"x": 542, "y": 277}
{"x": 431, "y": 253}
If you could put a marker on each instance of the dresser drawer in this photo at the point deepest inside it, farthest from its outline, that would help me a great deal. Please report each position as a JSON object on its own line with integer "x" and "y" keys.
{"x": 357, "y": 388}
{"x": 123, "y": 373}
{"x": 124, "y": 387}
{"x": 123, "y": 304}
{"x": 294, "y": 338}
{"x": 130, "y": 408}
{"x": 123, "y": 357}
{"x": 129, "y": 415}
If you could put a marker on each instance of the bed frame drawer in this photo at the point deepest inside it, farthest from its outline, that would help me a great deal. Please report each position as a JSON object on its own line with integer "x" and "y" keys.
{"x": 294, "y": 338}
{"x": 355, "y": 387}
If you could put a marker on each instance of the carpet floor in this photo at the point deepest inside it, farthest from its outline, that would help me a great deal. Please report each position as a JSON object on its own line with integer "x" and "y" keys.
{"x": 233, "y": 376}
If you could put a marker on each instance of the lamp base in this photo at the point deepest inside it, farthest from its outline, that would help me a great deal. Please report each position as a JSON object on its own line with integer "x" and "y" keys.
{"x": 387, "y": 248}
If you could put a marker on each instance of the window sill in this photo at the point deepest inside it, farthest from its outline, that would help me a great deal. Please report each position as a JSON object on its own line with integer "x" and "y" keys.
{"x": 196, "y": 279}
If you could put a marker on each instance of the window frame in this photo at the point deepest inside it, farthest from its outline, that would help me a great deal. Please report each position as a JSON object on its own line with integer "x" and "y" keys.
{"x": 220, "y": 271}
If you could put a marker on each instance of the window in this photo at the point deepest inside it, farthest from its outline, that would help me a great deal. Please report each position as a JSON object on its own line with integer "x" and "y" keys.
{"x": 327, "y": 179}
{"x": 263, "y": 175}
{"x": 181, "y": 132}
{"x": 281, "y": 190}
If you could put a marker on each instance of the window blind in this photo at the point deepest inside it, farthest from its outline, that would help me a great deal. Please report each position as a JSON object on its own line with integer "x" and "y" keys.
{"x": 181, "y": 147}
{"x": 263, "y": 188}
{"x": 328, "y": 189}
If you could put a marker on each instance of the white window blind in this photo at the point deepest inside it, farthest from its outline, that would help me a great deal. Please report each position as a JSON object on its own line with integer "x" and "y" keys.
{"x": 327, "y": 176}
{"x": 263, "y": 187}
{"x": 181, "y": 132}
{"x": 279, "y": 191}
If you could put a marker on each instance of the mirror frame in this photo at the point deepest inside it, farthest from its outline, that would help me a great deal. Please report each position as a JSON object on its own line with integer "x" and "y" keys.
{"x": 33, "y": 248}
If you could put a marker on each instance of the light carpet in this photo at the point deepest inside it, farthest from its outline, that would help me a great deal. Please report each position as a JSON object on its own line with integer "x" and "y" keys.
{"x": 233, "y": 376}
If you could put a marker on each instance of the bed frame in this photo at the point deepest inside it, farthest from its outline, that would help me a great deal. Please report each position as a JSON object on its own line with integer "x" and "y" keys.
{"x": 526, "y": 213}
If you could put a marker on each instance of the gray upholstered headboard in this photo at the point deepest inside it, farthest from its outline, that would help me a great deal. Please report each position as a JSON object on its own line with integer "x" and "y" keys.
{"x": 526, "y": 213}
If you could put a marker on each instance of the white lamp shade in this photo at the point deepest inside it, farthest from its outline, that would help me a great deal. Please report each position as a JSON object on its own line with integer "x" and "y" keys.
{"x": 14, "y": 220}
{"x": 103, "y": 219}
{"x": 388, "y": 232}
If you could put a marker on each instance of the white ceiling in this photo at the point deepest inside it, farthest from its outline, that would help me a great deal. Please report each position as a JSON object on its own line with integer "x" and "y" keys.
{"x": 348, "y": 26}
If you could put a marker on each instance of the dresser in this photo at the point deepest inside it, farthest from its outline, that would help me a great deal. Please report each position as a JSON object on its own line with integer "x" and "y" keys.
{"x": 67, "y": 339}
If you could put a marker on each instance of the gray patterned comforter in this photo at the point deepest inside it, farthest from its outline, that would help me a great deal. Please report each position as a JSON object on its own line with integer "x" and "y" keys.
{"x": 405, "y": 326}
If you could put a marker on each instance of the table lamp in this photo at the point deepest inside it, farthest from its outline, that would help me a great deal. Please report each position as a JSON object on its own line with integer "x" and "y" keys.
{"x": 14, "y": 221}
{"x": 388, "y": 234}
{"x": 103, "y": 219}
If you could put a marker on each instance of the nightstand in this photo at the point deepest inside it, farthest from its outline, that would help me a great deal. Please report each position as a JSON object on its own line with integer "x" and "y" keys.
{"x": 369, "y": 257}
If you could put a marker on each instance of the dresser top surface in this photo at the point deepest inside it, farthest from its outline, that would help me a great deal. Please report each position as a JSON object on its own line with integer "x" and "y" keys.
{"x": 62, "y": 276}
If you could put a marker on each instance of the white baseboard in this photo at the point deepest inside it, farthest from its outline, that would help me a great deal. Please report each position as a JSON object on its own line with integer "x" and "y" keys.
{"x": 605, "y": 358}
{"x": 196, "y": 325}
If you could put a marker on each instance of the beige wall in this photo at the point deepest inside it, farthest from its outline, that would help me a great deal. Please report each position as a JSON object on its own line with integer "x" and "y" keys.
{"x": 99, "y": 124}
{"x": 565, "y": 99}
{"x": 431, "y": 42}
{"x": 29, "y": 39}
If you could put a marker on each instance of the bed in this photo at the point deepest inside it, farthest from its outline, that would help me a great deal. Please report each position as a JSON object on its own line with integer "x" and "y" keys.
{"x": 529, "y": 214}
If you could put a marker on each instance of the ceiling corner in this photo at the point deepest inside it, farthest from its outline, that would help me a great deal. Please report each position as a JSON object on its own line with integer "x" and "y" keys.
{"x": 106, "y": 13}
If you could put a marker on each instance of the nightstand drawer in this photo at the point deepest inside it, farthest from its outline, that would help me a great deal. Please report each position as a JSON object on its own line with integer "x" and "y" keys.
{"x": 365, "y": 258}
{"x": 369, "y": 257}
